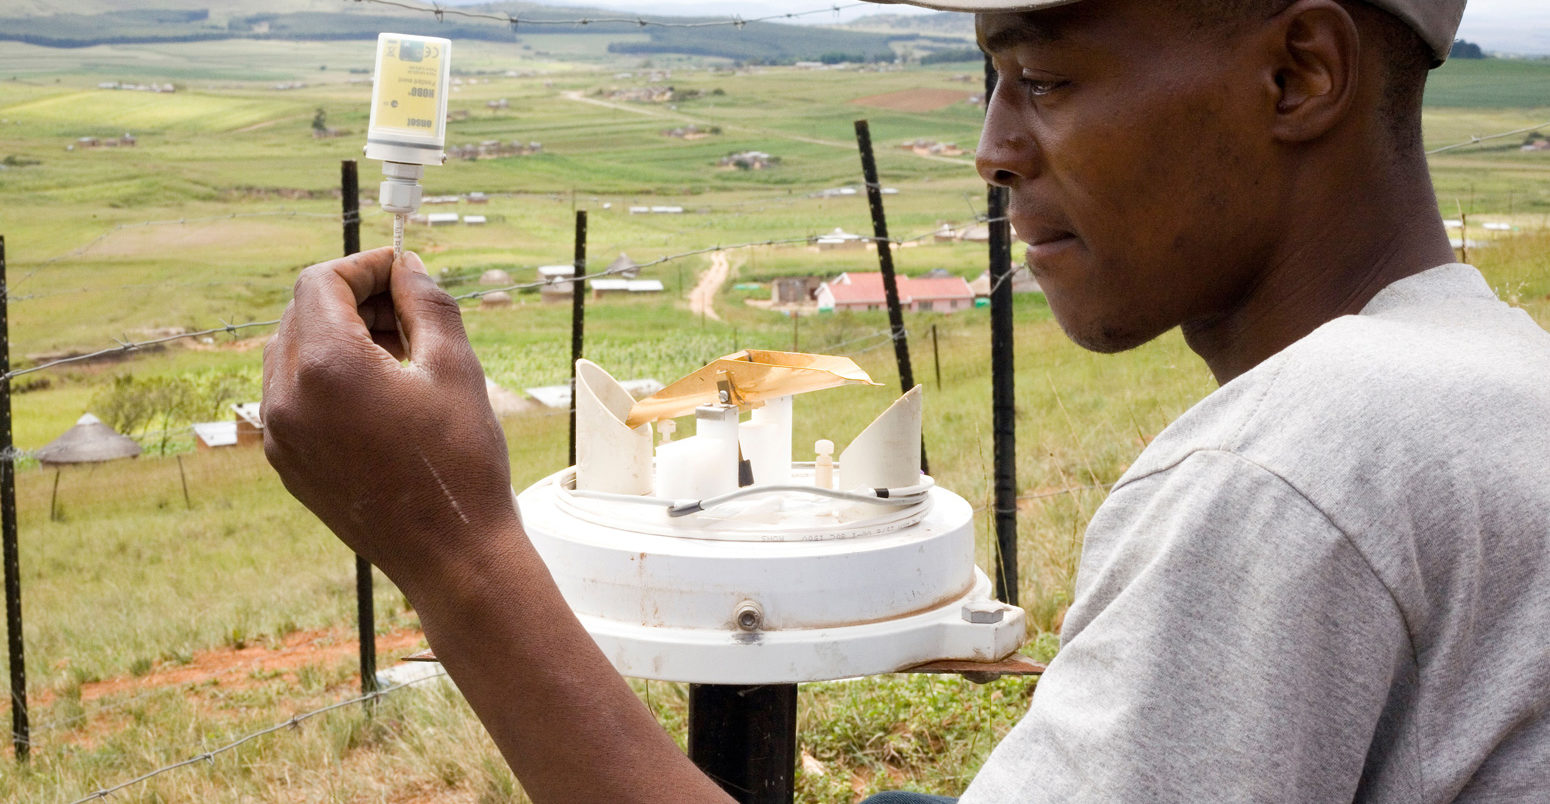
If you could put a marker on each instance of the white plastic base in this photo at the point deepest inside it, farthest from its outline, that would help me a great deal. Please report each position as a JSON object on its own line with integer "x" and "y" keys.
{"x": 726, "y": 656}
{"x": 663, "y": 596}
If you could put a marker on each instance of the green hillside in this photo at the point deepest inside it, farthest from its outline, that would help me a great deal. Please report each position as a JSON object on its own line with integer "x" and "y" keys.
{"x": 761, "y": 42}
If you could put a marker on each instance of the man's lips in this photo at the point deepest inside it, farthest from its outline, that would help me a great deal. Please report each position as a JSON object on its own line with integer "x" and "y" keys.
{"x": 1045, "y": 243}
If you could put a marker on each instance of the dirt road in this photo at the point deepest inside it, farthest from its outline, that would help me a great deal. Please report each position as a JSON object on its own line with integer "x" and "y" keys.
{"x": 702, "y": 299}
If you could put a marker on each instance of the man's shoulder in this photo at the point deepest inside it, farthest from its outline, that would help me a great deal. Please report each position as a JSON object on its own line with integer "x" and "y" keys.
{"x": 1433, "y": 367}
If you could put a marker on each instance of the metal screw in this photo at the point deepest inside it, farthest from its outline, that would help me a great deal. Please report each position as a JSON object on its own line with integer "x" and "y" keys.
{"x": 724, "y": 395}
{"x": 983, "y": 612}
{"x": 748, "y": 615}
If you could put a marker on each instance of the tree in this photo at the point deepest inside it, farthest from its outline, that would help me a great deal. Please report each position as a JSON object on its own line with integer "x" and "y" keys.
{"x": 131, "y": 404}
{"x": 320, "y": 120}
{"x": 1464, "y": 49}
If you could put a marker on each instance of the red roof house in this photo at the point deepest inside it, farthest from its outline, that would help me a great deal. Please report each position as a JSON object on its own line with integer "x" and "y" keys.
{"x": 858, "y": 291}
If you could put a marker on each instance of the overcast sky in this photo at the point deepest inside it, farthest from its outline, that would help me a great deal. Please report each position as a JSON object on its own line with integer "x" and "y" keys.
{"x": 1505, "y": 25}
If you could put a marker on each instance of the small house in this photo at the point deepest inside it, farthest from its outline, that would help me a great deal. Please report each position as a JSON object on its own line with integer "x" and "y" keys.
{"x": 555, "y": 289}
{"x": 864, "y": 291}
{"x": 609, "y": 287}
{"x": 495, "y": 277}
{"x": 250, "y": 427}
{"x": 89, "y": 441}
{"x": 841, "y": 240}
{"x": 1023, "y": 281}
{"x": 214, "y": 435}
{"x": 794, "y": 289}
{"x": 497, "y": 300}
{"x": 624, "y": 266}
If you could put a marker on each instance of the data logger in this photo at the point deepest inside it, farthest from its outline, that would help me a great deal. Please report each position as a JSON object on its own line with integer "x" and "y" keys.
{"x": 408, "y": 119}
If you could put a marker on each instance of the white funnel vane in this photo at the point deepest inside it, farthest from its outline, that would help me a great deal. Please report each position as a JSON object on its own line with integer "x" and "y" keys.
{"x": 887, "y": 453}
{"x": 610, "y": 456}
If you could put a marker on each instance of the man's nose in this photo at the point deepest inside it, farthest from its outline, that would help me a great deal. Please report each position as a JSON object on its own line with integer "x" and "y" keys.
{"x": 1006, "y": 150}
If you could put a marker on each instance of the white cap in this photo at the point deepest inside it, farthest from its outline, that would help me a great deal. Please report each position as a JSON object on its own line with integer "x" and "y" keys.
{"x": 1435, "y": 20}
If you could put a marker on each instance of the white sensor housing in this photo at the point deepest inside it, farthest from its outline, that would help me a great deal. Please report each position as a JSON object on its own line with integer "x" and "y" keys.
{"x": 408, "y": 114}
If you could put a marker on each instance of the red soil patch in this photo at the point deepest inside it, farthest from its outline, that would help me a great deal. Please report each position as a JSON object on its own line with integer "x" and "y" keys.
{"x": 915, "y": 100}
{"x": 257, "y": 663}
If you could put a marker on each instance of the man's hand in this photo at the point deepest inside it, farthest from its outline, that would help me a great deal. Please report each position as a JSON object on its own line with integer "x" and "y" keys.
{"x": 404, "y": 461}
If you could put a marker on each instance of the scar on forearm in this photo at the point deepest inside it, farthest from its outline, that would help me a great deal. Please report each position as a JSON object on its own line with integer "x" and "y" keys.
{"x": 445, "y": 491}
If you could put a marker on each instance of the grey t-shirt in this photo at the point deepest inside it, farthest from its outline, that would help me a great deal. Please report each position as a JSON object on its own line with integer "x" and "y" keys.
{"x": 1327, "y": 581}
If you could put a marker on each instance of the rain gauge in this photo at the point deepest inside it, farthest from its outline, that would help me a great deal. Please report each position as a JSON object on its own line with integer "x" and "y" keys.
{"x": 722, "y": 560}
{"x": 726, "y": 560}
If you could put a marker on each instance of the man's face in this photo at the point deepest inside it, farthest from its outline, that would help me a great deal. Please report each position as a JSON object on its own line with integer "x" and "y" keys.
{"x": 1129, "y": 140}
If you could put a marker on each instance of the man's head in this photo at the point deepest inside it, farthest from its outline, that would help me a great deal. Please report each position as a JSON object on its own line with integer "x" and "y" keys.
{"x": 1164, "y": 155}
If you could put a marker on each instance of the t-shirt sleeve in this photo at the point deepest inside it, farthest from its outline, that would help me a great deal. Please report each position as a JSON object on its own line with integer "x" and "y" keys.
{"x": 1227, "y": 643}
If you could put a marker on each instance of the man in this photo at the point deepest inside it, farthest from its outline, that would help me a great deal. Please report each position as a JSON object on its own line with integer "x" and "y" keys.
{"x": 1330, "y": 580}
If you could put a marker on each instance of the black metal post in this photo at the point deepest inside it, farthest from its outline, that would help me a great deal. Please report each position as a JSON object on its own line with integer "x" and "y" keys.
{"x": 53, "y": 499}
{"x": 874, "y": 197}
{"x": 745, "y": 738}
{"x": 578, "y": 317}
{"x": 936, "y": 357}
{"x": 365, "y": 610}
{"x": 21, "y": 733}
{"x": 188, "y": 504}
{"x": 1003, "y": 399}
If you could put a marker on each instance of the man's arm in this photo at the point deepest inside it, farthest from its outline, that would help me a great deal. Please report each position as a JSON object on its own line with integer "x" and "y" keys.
{"x": 406, "y": 463}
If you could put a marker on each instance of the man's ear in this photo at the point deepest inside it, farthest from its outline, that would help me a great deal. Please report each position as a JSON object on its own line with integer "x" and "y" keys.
{"x": 1316, "y": 51}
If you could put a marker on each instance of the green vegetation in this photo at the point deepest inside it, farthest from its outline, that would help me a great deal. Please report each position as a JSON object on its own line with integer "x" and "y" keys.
{"x": 762, "y": 42}
{"x": 227, "y": 193}
{"x": 1490, "y": 84}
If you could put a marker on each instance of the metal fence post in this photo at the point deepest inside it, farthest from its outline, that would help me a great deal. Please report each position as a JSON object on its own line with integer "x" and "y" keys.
{"x": 936, "y": 357}
{"x": 578, "y": 315}
{"x": 1003, "y": 384}
{"x": 874, "y": 197}
{"x": 21, "y": 733}
{"x": 365, "y": 610}
{"x": 745, "y": 739}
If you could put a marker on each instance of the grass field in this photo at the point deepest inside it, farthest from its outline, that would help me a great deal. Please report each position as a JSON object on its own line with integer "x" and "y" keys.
{"x": 226, "y": 195}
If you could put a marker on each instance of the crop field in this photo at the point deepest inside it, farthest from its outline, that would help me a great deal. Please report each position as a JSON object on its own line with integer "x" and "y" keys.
{"x": 161, "y": 623}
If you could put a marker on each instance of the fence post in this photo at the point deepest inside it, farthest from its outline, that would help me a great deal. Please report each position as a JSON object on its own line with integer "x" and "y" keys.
{"x": 53, "y": 499}
{"x": 188, "y": 504}
{"x": 578, "y": 315}
{"x": 1003, "y": 385}
{"x": 874, "y": 197}
{"x": 21, "y": 733}
{"x": 745, "y": 739}
{"x": 936, "y": 357}
{"x": 365, "y": 610}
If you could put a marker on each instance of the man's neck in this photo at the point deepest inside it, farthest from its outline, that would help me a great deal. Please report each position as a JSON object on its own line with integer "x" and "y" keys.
{"x": 1328, "y": 265}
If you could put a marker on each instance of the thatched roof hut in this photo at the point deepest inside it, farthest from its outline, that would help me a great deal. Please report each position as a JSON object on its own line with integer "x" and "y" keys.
{"x": 498, "y": 300}
{"x": 89, "y": 441}
{"x": 624, "y": 266}
{"x": 494, "y": 278}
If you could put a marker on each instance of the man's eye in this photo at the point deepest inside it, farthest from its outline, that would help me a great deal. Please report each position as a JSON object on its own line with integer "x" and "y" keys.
{"x": 1039, "y": 87}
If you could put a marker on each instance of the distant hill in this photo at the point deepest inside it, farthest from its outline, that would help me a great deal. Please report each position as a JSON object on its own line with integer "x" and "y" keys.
{"x": 32, "y": 8}
{"x": 213, "y": 20}
{"x": 946, "y": 23}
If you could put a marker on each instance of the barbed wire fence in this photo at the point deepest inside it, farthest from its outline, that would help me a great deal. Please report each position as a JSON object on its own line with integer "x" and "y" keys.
{"x": 861, "y": 344}
{"x": 1478, "y": 140}
{"x": 292, "y": 723}
{"x": 350, "y": 218}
